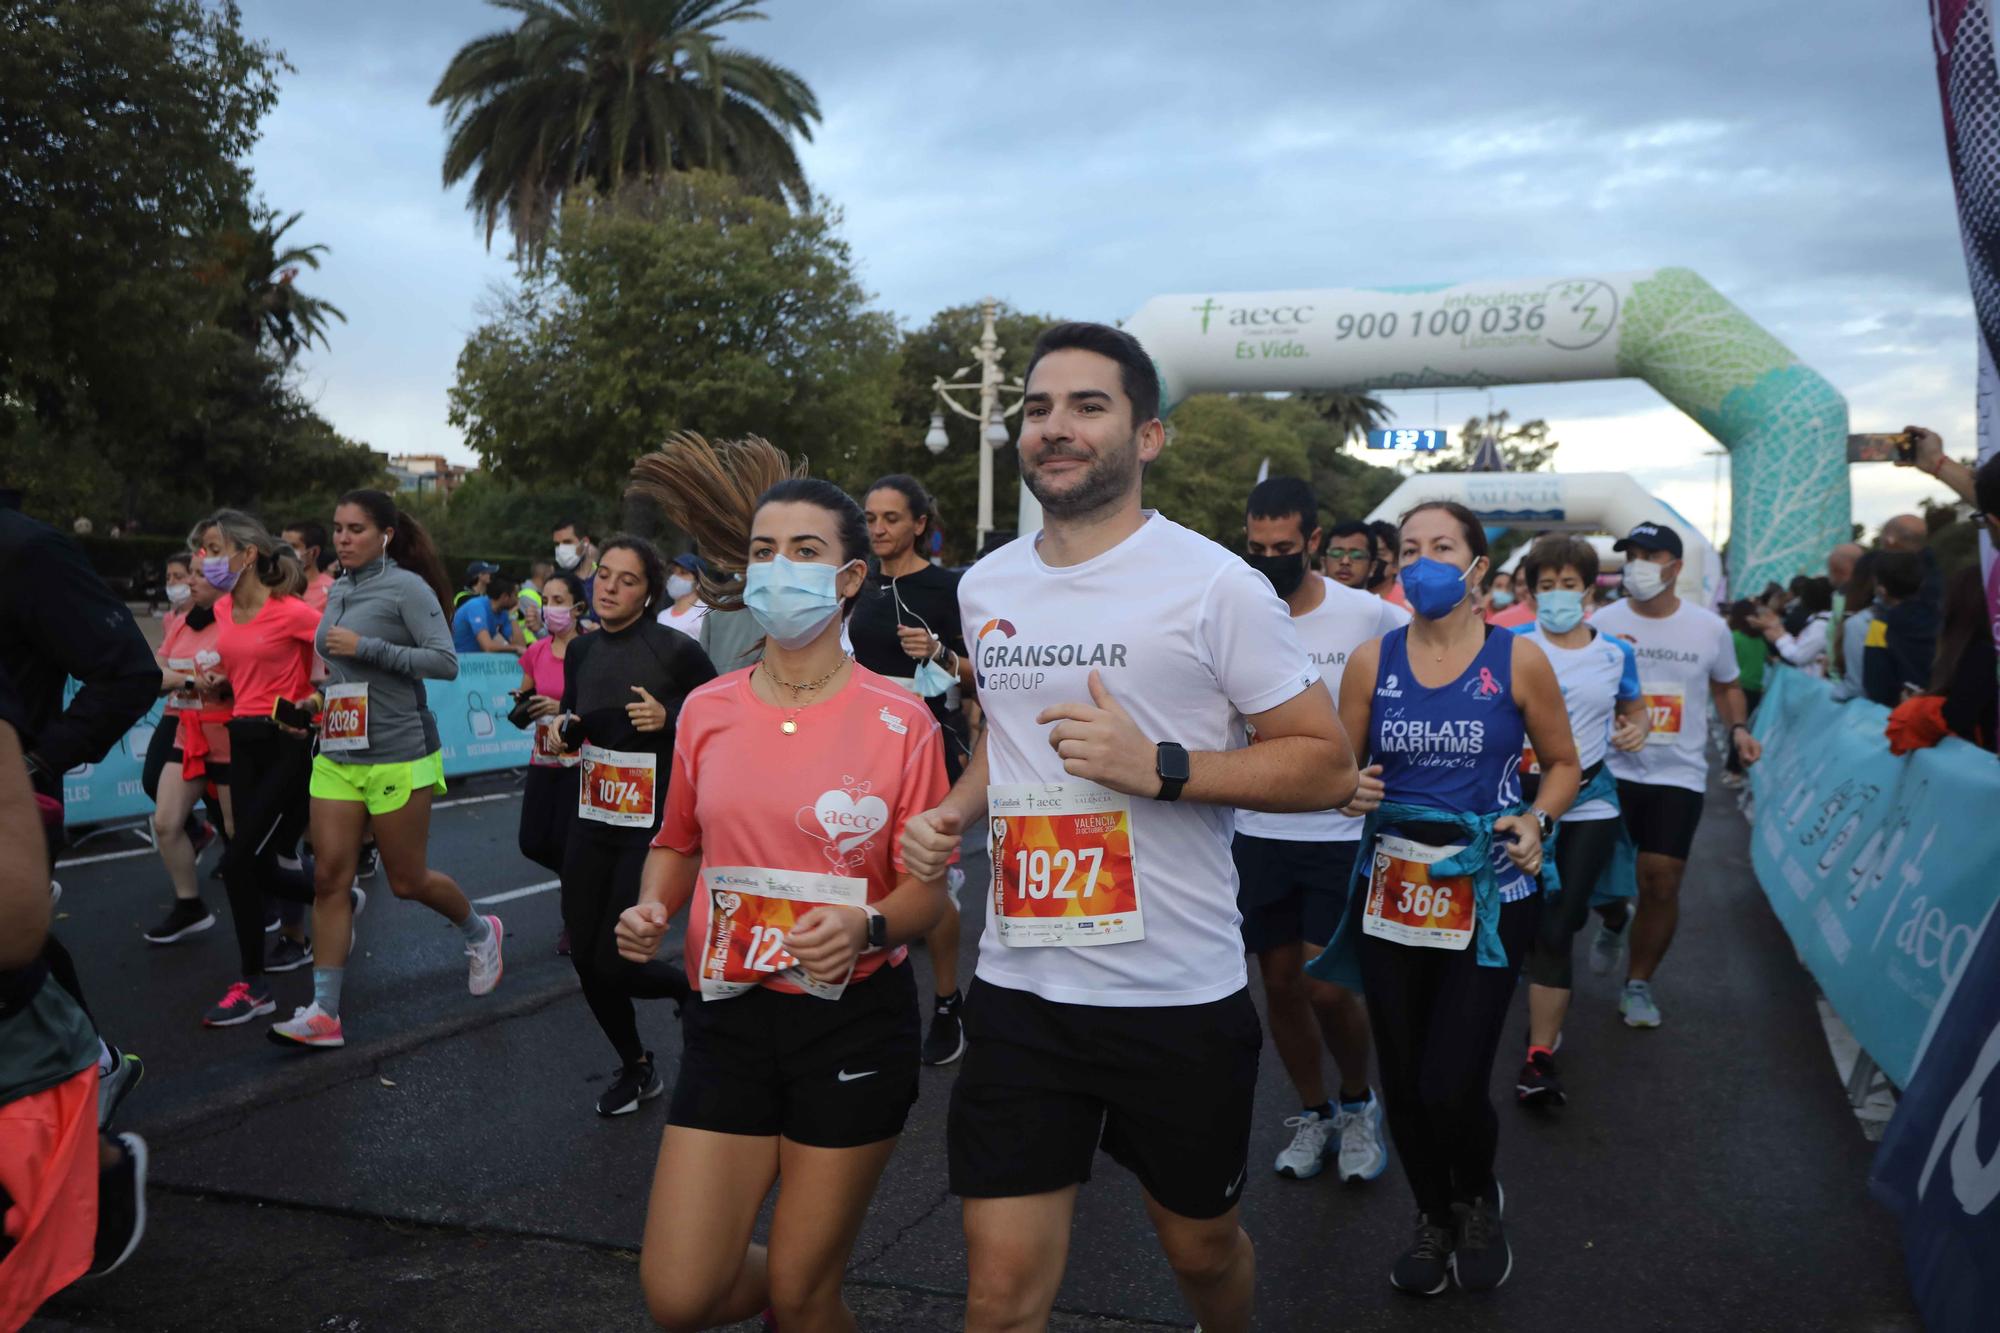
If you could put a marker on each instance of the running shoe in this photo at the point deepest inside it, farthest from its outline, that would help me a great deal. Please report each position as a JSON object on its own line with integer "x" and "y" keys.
{"x": 287, "y": 954}
{"x": 271, "y": 919}
{"x": 1305, "y": 1156}
{"x": 121, "y": 1207}
{"x": 1480, "y": 1257}
{"x": 126, "y": 1071}
{"x": 370, "y": 862}
{"x": 1607, "y": 946}
{"x": 483, "y": 972}
{"x": 945, "y": 1042}
{"x": 309, "y": 1025}
{"x": 1538, "y": 1084}
{"x": 634, "y": 1084}
{"x": 1364, "y": 1153}
{"x": 1637, "y": 1004}
{"x": 1424, "y": 1268}
{"x": 239, "y": 1004}
{"x": 188, "y": 916}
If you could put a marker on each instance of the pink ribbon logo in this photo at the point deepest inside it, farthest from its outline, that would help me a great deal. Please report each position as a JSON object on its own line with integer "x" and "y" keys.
{"x": 1488, "y": 687}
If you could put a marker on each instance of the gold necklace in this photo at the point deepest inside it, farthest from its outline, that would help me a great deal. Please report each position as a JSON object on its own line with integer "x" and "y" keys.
{"x": 790, "y": 726}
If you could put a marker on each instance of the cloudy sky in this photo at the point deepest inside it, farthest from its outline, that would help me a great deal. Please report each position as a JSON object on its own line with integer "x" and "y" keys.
{"x": 1078, "y": 157}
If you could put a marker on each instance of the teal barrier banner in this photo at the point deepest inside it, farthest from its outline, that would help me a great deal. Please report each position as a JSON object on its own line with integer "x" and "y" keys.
{"x": 472, "y": 727}
{"x": 1879, "y": 867}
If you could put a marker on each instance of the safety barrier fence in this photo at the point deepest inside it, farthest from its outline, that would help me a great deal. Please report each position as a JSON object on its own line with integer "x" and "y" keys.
{"x": 1883, "y": 870}
{"x": 472, "y": 723}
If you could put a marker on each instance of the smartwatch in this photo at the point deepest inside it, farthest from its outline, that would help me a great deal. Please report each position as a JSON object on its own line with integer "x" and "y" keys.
{"x": 878, "y": 928}
{"x": 1171, "y": 764}
{"x": 1545, "y": 822}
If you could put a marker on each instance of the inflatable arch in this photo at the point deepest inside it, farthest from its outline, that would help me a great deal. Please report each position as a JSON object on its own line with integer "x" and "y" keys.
{"x": 1566, "y": 502}
{"x": 1785, "y": 427}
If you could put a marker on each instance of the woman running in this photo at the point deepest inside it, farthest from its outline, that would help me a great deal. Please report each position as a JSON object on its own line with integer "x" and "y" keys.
{"x": 190, "y": 746}
{"x": 907, "y": 629}
{"x": 1599, "y": 678}
{"x": 684, "y": 610}
{"x": 1451, "y": 907}
{"x": 383, "y": 635}
{"x": 548, "y": 797}
{"x": 622, "y": 691}
{"x": 792, "y": 781}
{"x": 265, "y": 652}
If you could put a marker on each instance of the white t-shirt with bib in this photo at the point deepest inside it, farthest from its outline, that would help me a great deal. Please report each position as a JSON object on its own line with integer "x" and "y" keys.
{"x": 1330, "y": 632}
{"x": 1678, "y": 655}
{"x": 1190, "y": 640}
{"x": 1594, "y": 679}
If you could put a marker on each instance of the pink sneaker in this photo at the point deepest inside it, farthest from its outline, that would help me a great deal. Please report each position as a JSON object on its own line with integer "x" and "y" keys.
{"x": 484, "y": 968}
{"x": 310, "y": 1026}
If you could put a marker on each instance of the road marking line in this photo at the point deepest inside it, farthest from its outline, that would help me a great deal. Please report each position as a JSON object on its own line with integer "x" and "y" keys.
{"x": 474, "y": 800}
{"x": 512, "y": 894}
{"x": 103, "y": 856}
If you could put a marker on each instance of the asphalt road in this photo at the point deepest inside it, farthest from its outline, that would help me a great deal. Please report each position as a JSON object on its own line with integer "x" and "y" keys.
{"x": 445, "y": 1171}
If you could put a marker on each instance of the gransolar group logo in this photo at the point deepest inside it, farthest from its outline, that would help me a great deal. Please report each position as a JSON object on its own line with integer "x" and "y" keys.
{"x": 1004, "y": 628}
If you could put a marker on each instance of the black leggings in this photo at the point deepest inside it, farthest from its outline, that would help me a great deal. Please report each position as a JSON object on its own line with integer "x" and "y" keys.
{"x": 1437, "y": 1017}
{"x": 600, "y": 879}
{"x": 1582, "y": 852}
{"x": 269, "y": 774}
{"x": 548, "y": 809}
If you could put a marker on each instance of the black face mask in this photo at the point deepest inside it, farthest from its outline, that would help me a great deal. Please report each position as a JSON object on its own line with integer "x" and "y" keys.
{"x": 1286, "y": 572}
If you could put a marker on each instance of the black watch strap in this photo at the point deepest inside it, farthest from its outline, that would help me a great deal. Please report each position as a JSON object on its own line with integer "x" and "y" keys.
{"x": 1171, "y": 766}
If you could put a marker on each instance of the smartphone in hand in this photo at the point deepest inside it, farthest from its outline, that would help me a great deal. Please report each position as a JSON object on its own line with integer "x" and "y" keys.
{"x": 290, "y": 714}
{"x": 1880, "y": 448}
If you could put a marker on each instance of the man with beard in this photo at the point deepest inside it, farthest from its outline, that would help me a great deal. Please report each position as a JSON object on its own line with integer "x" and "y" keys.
{"x": 1118, "y": 657}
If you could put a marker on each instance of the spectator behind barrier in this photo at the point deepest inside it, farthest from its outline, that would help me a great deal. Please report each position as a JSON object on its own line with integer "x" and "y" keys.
{"x": 1811, "y": 612}
{"x": 1848, "y": 647}
{"x": 483, "y": 623}
{"x": 1902, "y": 643}
{"x": 1961, "y": 700}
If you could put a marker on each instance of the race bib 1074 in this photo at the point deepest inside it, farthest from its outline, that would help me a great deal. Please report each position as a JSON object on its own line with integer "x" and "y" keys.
{"x": 1063, "y": 866}
{"x": 617, "y": 787}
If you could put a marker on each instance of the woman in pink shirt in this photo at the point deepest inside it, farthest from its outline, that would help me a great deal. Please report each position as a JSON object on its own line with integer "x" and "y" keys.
{"x": 192, "y": 720}
{"x": 548, "y": 797}
{"x": 791, "y": 783}
{"x": 265, "y": 646}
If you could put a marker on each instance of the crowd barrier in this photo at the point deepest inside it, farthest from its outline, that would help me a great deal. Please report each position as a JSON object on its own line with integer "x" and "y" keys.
{"x": 472, "y": 724}
{"x": 1880, "y": 867}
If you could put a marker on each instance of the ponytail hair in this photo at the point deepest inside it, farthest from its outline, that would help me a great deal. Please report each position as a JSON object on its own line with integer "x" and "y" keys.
{"x": 411, "y": 546}
{"x": 278, "y": 566}
{"x": 712, "y": 491}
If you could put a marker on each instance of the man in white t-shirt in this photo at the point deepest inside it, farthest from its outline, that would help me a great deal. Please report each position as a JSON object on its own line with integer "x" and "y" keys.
{"x": 1292, "y": 871}
{"x": 1685, "y": 656}
{"x": 1118, "y": 658}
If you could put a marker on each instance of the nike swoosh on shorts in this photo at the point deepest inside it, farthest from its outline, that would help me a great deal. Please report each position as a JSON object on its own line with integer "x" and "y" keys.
{"x": 846, "y": 1077}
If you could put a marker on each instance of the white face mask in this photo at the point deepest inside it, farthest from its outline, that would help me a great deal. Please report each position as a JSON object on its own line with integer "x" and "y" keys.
{"x": 567, "y": 555}
{"x": 1645, "y": 580}
{"x": 178, "y": 593}
{"x": 679, "y": 586}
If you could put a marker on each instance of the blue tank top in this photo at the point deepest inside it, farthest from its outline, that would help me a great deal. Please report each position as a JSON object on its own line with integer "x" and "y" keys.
{"x": 1456, "y": 747}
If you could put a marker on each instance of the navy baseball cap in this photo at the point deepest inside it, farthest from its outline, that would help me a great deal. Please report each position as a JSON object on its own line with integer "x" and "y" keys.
{"x": 478, "y": 567}
{"x": 692, "y": 563}
{"x": 1651, "y": 537}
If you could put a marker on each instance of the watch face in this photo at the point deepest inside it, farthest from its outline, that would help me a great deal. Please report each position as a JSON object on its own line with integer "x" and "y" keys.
{"x": 1173, "y": 764}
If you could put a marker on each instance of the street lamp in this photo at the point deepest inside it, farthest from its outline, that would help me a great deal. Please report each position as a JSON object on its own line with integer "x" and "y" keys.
{"x": 992, "y": 410}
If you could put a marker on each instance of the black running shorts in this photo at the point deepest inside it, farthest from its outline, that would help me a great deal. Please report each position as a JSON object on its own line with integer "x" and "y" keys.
{"x": 1291, "y": 891}
{"x": 1661, "y": 819}
{"x": 1166, "y": 1091}
{"x": 825, "y": 1073}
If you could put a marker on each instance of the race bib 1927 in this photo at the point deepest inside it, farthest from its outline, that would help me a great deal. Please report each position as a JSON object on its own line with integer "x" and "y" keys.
{"x": 1063, "y": 865}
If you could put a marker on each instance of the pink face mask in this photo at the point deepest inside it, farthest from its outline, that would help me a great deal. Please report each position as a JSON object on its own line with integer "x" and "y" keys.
{"x": 559, "y": 619}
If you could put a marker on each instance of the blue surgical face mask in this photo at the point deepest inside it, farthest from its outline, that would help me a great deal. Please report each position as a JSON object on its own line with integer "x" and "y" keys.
{"x": 1559, "y": 610}
{"x": 215, "y": 568}
{"x": 792, "y": 601}
{"x": 930, "y": 680}
{"x": 1432, "y": 587}
{"x": 1501, "y": 599}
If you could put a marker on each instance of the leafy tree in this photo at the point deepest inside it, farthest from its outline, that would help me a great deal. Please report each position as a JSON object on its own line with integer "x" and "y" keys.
{"x": 695, "y": 307}
{"x": 484, "y": 514}
{"x": 598, "y": 95}
{"x": 1524, "y": 448}
{"x": 1352, "y": 415}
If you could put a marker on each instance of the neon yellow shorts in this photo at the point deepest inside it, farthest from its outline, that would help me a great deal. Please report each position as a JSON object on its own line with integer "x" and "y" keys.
{"x": 383, "y": 788}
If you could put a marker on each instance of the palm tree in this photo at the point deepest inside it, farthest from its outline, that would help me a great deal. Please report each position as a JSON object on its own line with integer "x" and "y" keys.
{"x": 610, "y": 93}
{"x": 1352, "y": 414}
{"x": 255, "y": 273}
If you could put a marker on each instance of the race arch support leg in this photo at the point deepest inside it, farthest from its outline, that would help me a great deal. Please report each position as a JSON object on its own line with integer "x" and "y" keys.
{"x": 1785, "y": 427}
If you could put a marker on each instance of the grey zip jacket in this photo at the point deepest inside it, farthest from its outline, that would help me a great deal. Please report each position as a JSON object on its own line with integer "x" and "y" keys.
{"x": 405, "y": 640}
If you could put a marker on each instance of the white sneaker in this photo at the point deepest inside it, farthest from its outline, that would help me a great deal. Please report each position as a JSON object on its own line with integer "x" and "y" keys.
{"x": 1363, "y": 1154}
{"x": 1607, "y": 946}
{"x": 1306, "y": 1155}
{"x": 483, "y": 972}
{"x": 1637, "y": 1004}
